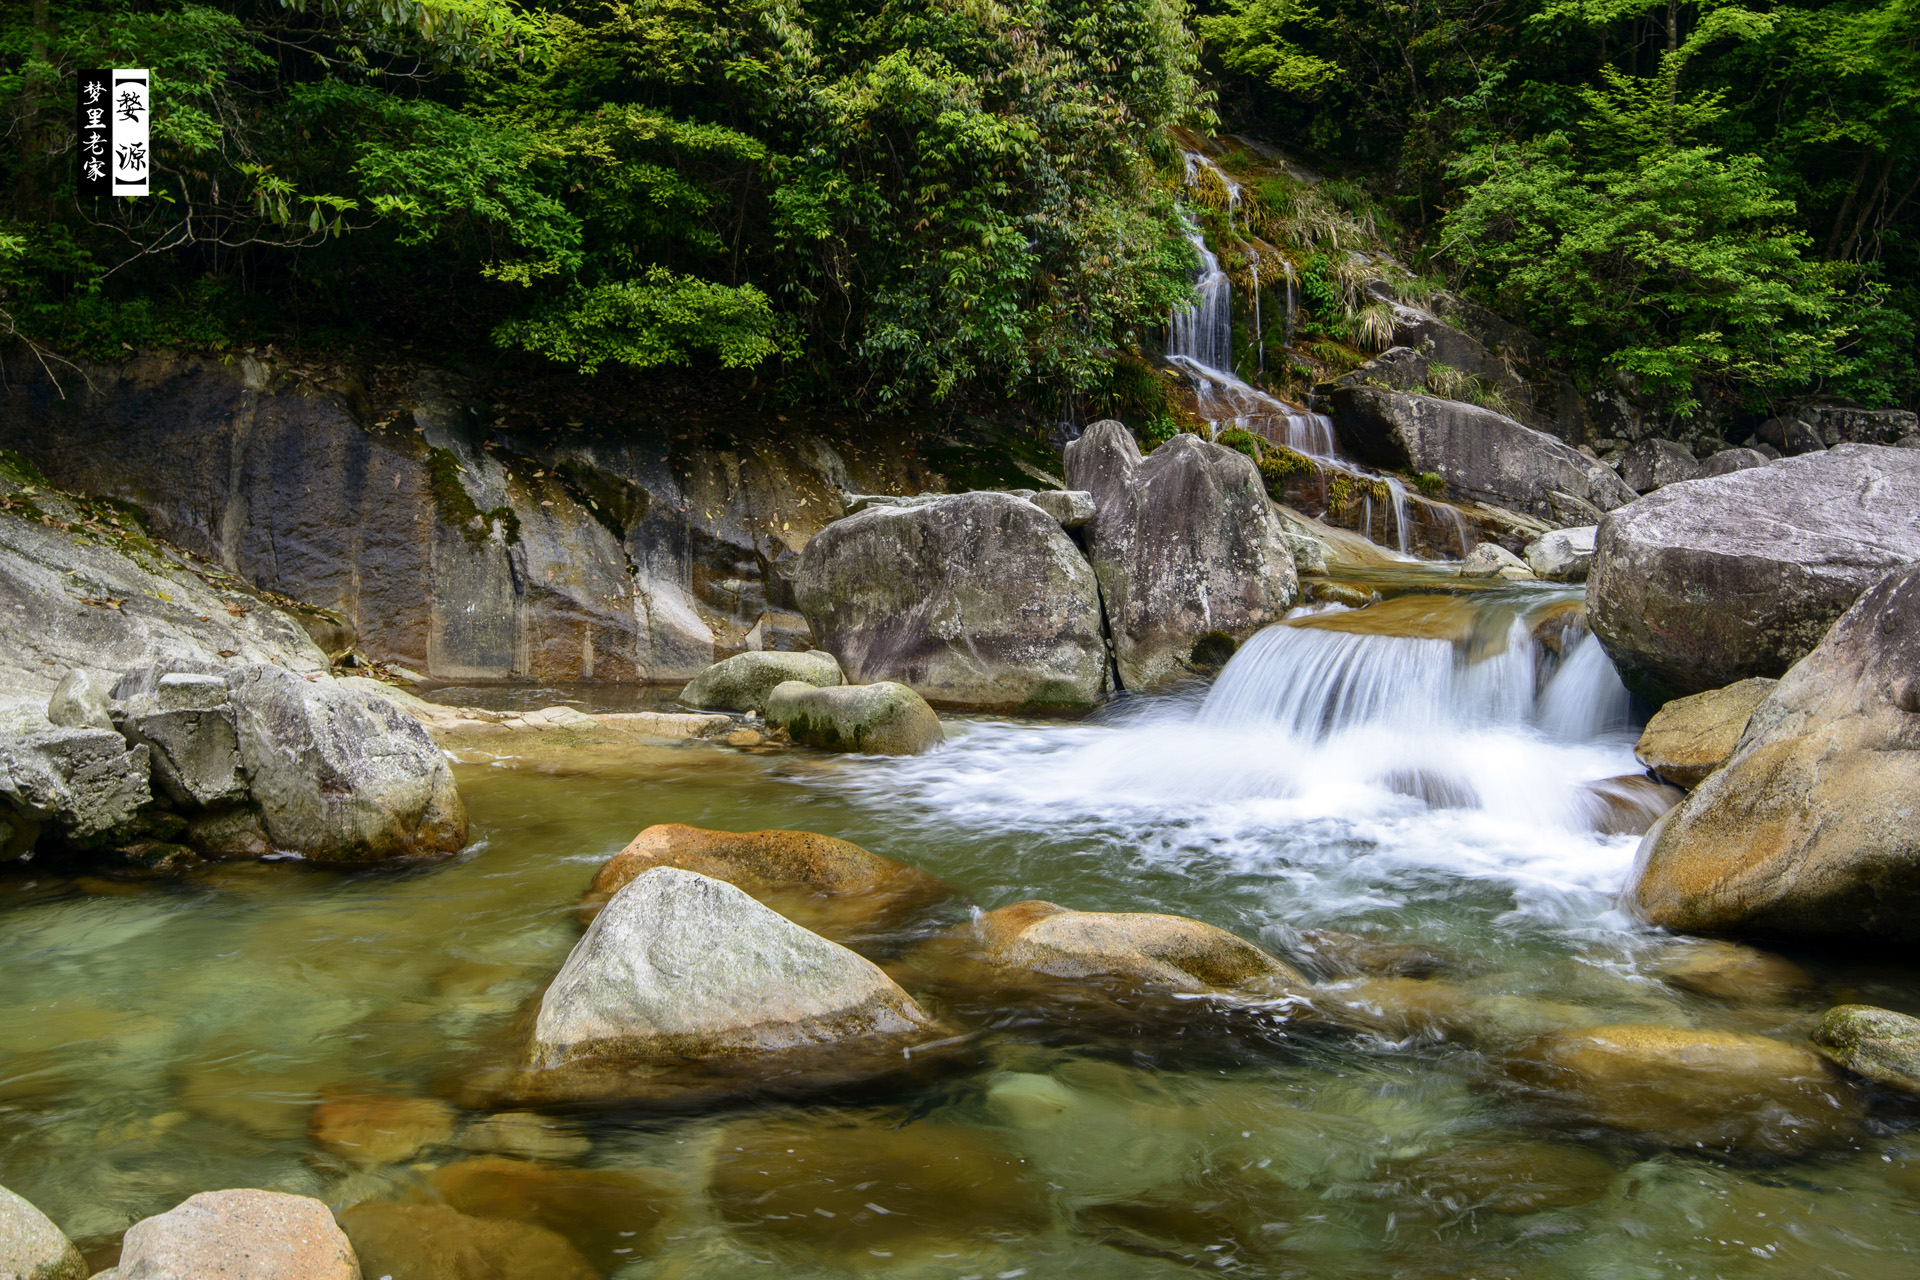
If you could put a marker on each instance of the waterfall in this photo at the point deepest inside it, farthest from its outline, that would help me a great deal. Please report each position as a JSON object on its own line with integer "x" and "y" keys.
{"x": 1398, "y": 494}
{"x": 1259, "y": 332}
{"x": 1202, "y": 334}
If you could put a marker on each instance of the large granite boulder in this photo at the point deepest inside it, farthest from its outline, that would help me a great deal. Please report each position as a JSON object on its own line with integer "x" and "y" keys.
{"x": 833, "y": 887}
{"x": 74, "y": 784}
{"x": 1482, "y": 455}
{"x": 680, "y": 968}
{"x": 976, "y": 600}
{"x": 1654, "y": 463}
{"x": 885, "y": 719}
{"x": 1809, "y": 829}
{"x": 742, "y": 682}
{"x": 1690, "y": 737}
{"x": 1741, "y": 575}
{"x": 341, "y": 775}
{"x": 31, "y": 1247}
{"x": 1187, "y": 548}
{"x": 238, "y": 1235}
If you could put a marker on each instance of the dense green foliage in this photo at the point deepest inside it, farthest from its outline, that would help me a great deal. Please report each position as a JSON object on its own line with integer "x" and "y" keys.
{"x": 1709, "y": 198}
{"x": 887, "y": 199}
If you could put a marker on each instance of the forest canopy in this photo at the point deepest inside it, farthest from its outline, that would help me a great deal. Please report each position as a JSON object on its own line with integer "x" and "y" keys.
{"x": 904, "y": 200}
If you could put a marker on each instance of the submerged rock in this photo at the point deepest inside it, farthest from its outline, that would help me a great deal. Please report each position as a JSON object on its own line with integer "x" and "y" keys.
{"x": 255, "y": 1235}
{"x": 611, "y": 1216}
{"x": 525, "y": 1134}
{"x": 1335, "y": 954}
{"x": 1732, "y": 972}
{"x": 833, "y": 887}
{"x": 1138, "y": 949}
{"x": 975, "y": 600}
{"x": 369, "y": 1130}
{"x": 1690, "y": 1087}
{"x": 1879, "y": 1044}
{"x": 1742, "y": 574}
{"x": 682, "y": 968}
{"x": 742, "y": 682}
{"x": 31, "y": 1247}
{"x": 1482, "y": 455}
{"x": 434, "y": 1242}
{"x": 1809, "y": 829}
{"x": 852, "y": 1188}
{"x": 341, "y": 775}
{"x": 1627, "y": 805}
{"x": 1689, "y": 738}
{"x": 1565, "y": 555}
{"x": 885, "y": 719}
{"x": 1186, "y": 545}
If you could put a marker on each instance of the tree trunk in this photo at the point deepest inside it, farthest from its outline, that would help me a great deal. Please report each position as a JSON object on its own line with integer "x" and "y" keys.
{"x": 1846, "y": 206}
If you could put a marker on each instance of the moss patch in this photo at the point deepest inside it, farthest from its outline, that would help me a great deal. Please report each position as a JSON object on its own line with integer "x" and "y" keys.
{"x": 458, "y": 509}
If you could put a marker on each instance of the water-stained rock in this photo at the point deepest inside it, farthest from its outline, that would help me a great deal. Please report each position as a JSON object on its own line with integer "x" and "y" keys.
{"x": 1809, "y": 829}
{"x": 240, "y": 1235}
{"x": 1689, "y": 1087}
{"x": 31, "y": 1247}
{"x": 974, "y": 600}
{"x": 833, "y": 887}
{"x": 1689, "y": 738}
{"x": 742, "y": 682}
{"x": 435, "y": 1242}
{"x": 682, "y": 969}
{"x": 1879, "y": 1044}
{"x": 1627, "y": 805}
{"x": 1742, "y": 575}
{"x": 341, "y": 775}
{"x": 1135, "y": 949}
{"x": 1336, "y": 954}
{"x": 886, "y": 719}
{"x": 1185, "y": 544}
{"x": 374, "y": 1129}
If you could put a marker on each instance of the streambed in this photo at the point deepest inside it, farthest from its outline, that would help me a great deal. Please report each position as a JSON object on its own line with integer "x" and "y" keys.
{"x": 163, "y": 1038}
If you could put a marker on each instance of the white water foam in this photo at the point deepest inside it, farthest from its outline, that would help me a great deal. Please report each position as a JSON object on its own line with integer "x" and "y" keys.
{"x": 1335, "y": 765}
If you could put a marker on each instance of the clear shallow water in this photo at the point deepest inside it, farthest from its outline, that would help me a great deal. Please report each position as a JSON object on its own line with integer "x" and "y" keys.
{"x": 158, "y": 1039}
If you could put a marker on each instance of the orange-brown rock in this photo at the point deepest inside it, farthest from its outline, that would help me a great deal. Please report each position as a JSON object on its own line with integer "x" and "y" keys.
{"x": 1690, "y": 1087}
{"x": 434, "y": 1242}
{"x": 1136, "y": 948}
{"x": 239, "y": 1235}
{"x": 1732, "y": 972}
{"x": 833, "y": 887}
{"x": 1688, "y": 738}
{"x": 373, "y": 1129}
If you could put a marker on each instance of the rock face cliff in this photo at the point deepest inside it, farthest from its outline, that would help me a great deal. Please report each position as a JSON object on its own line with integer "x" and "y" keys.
{"x": 449, "y": 537}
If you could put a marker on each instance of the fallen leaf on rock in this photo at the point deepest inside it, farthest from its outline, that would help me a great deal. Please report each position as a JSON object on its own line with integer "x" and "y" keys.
{"x": 229, "y": 653}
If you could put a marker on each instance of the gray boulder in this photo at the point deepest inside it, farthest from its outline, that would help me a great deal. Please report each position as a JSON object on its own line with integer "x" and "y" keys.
{"x": 679, "y": 967}
{"x": 31, "y": 1247}
{"x": 239, "y": 1235}
{"x": 1482, "y": 455}
{"x": 1071, "y": 507}
{"x": 341, "y": 775}
{"x": 1396, "y": 368}
{"x": 975, "y": 600}
{"x": 1654, "y": 463}
{"x": 77, "y": 704}
{"x": 1728, "y": 461}
{"x": 1879, "y": 1044}
{"x": 1844, "y": 424}
{"x": 1741, "y": 575}
{"x": 1187, "y": 548}
{"x": 77, "y": 784}
{"x": 1564, "y": 555}
{"x": 1791, "y": 436}
{"x": 184, "y": 719}
{"x": 1809, "y": 829}
{"x": 1491, "y": 560}
{"x": 886, "y": 719}
{"x": 742, "y": 682}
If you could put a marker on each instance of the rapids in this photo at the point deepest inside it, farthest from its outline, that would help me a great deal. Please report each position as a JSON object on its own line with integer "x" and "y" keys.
{"x": 1411, "y": 775}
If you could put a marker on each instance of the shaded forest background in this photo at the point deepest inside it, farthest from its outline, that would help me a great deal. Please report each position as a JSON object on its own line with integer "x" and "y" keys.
{"x": 914, "y": 203}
